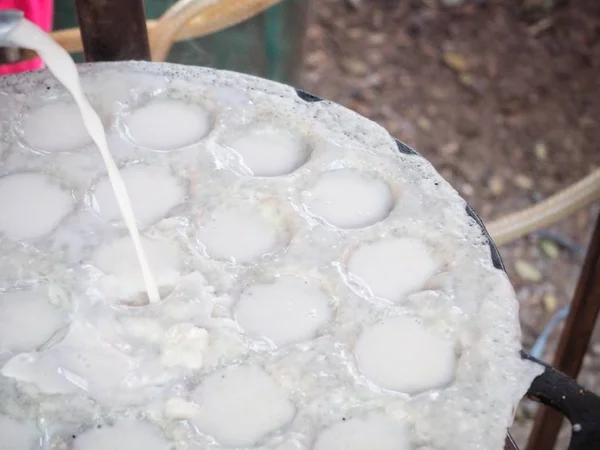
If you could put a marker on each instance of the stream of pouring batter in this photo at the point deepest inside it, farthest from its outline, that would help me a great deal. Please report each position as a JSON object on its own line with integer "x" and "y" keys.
{"x": 27, "y": 35}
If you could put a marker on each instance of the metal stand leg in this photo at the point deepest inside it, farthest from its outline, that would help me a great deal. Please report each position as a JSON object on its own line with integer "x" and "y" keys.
{"x": 510, "y": 444}
{"x": 574, "y": 341}
{"x": 113, "y": 30}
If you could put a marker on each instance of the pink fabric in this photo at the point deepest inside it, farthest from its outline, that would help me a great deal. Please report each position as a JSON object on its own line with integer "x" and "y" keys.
{"x": 40, "y": 12}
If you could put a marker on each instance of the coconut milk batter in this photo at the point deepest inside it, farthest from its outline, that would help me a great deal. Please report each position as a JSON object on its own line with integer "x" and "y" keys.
{"x": 293, "y": 319}
{"x": 28, "y": 35}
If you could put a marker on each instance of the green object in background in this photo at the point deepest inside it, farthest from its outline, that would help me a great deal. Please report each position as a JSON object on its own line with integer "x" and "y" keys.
{"x": 269, "y": 45}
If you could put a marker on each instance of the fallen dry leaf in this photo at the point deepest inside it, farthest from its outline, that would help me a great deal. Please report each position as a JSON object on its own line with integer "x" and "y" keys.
{"x": 377, "y": 38}
{"x": 316, "y": 58}
{"x": 455, "y": 61}
{"x": 355, "y": 66}
{"x": 527, "y": 271}
{"x": 466, "y": 79}
{"x": 550, "y": 302}
{"x": 541, "y": 151}
{"x": 523, "y": 181}
{"x": 550, "y": 248}
{"x": 423, "y": 123}
{"x": 496, "y": 185}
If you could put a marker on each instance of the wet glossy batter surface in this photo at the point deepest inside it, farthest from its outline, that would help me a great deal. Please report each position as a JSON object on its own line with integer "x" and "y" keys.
{"x": 319, "y": 290}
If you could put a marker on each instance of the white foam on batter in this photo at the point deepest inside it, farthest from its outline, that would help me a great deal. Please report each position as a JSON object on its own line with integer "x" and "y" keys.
{"x": 402, "y": 355}
{"x": 123, "y": 276}
{"x": 18, "y": 435}
{"x": 55, "y": 127}
{"x": 240, "y": 405}
{"x": 126, "y": 435}
{"x": 238, "y": 235}
{"x": 184, "y": 346}
{"x": 269, "y": 151}
{"x": 286, "y": 311}
{"x": 165, "y": 124}
{"x": 374, "y": 432}
{"x": 348, "y": 198}
{"x": 153, "y": 191}
{"x": 391, "y": 268}
{"x": 27, "y": 320}
{"x": 32, "y": 205}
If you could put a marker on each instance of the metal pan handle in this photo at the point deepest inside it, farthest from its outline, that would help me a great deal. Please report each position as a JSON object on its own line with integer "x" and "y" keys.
{"x": 580, "y": 406}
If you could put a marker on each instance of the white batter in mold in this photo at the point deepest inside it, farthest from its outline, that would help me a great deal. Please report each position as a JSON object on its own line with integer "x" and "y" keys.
{"x": 295, "y": 292}
{"x": 27, "y": 320}
{"x": 55, "y": 127}
{"x": 374, "y": 431}
{"x": 347, "y": 198}
{"x": 125, "y": 435}
{"x": 241, "y": 405}
{"x": 286, "y": 311}
{"x": 153, "y": 191}
{"x": 269, "y": 151}
{"x": 391, "y": 268}
{"x": 401, "y": 354}
{"x": 32, "y": 205}
{"x": 165, "y": 124}
{"x": 238, "y": 235}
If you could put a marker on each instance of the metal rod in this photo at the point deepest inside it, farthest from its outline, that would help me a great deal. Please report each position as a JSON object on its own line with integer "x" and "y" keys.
{"x": 510, "y": 443}
{"x": 574, "y": 341}
{"x": 113, "y": 30}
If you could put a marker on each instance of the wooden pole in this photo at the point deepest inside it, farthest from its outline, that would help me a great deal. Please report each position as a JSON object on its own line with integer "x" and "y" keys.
{"x": 574, "y": 341}
{"x": 113, "y": 30}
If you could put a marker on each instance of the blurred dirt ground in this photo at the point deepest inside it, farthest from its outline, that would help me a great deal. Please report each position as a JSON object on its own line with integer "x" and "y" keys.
{"x": 502, "y": 96}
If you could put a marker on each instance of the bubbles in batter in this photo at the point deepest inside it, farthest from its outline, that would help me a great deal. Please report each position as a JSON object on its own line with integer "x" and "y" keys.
{"x": 55, "y": 127}
{"x": 376, "y": 431}
{"x": 27, "y": 320}
{"x": 240, "y": 405}
{"x": 168, "y": 124}
{"x": 347, "y": 198}
{"x": 153, "y": 191}
{"x": 400, "y": 354}
{"x": 391, "y": 268}
{"x": 287, "y": 311}
{"x": 128, "y": 435}
{"x": 17, "y": 435}
{"x": 32, "y": 205}
{"x": 268, "y": 151}
{"x": 236, "y": 235}
{"x": 118, "y": 260}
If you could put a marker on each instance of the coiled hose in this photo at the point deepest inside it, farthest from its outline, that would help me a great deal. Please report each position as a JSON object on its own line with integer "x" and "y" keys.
{"x": 186, "y": 19}
{"x": 209, "y": 16}
{"x": 547, "y": 212}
